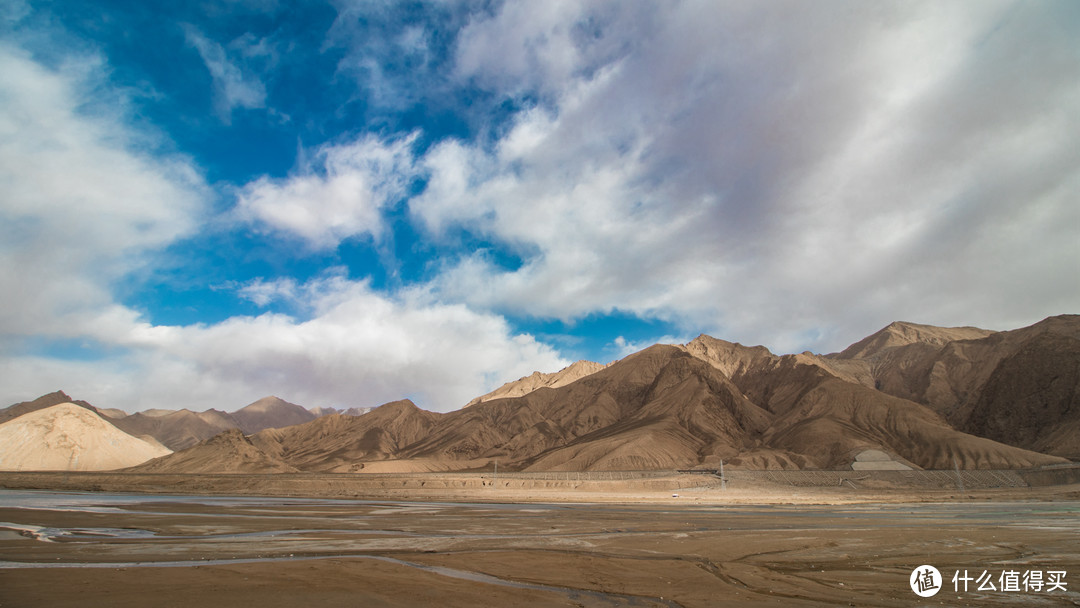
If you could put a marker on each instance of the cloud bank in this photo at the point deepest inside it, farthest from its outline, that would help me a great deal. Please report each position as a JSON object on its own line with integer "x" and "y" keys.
{"x": 791, "y": 174}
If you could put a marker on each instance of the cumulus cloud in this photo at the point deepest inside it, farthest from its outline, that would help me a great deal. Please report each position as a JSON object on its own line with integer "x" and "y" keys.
{"x": 340, "y": 193}
{"x": 358, "y": 348}
{"x": 82, "y": 202}
{"x": 785, "y": 173}
{"x": 790, "y": 174}
{"x": 86, "y": 202}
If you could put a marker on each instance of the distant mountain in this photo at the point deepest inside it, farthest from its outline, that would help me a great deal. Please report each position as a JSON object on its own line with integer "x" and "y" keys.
{"x": 227, "y": 452}
{"x": 69, "y": 437}
{"x": 537, "y": 380}
{"x": 42, "y": 402}
{"x": 910, "y": 396}
{"x": 270, "y": 413}
{"x": 177, "y": 429}
{"x": 902, "y": 334}
{"x": 340, "y": 443}
{"x": 662, "y": 408}
{"x": 112, "y": 413}
{"x": 328, "y": 411}
{"x": 331, "y": 443}
{"x": 181, "y": 429}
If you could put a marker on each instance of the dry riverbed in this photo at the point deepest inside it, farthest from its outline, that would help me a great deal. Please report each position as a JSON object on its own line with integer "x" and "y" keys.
{"x": 84, "y": 549}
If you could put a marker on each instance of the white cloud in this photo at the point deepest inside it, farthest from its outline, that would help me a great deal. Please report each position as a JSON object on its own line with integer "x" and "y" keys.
{"x": 82, "y": 203}
{"x": 262, "y": 292}
{"x": 795, "y": 175}
{"x": 783, "y": 173}
{"x": 359, "y": 348}
{"x": 621, "y": 347}
{"x": 341, "y": 193}
{"x": 235, "y": 85}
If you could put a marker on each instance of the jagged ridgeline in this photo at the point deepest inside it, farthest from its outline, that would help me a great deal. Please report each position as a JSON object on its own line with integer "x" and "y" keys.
{"x": 909, "y": 396}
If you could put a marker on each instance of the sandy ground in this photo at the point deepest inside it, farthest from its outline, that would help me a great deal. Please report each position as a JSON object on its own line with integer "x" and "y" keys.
{"x": 511, "y": 488}
{"x": 629, "y": 547}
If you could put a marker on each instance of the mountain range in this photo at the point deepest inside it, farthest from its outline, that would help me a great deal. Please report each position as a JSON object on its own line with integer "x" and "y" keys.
{"x": 908, "y": 396}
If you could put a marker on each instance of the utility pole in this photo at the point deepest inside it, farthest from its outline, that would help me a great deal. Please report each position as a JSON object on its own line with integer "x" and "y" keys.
{"x": 496, "y": 480}
{"x": 723, "y": 480}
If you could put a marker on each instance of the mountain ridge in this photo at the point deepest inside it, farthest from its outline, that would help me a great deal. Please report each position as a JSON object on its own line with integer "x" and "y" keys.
{"x": 915, "y": 395}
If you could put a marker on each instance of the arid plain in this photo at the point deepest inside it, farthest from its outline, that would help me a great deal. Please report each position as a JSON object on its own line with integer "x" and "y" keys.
{"x": 543, "y": 543}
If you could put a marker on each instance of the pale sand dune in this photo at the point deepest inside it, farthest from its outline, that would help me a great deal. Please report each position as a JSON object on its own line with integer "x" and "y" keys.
{"x": 67, "y": 437}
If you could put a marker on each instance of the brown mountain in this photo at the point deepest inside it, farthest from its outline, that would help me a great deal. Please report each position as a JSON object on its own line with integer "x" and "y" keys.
{"x": 1018, "y": 387}
{"x": 902, "y": 334}
{"x": 658, "y": 408}
{"x": 178, "y": 429}
{"x": 824, "y": 419}
{"x": 893, "y": 401}
{"x": 337, "y": 442}
{"x": 42, "y": 402}
{"x": 227, "y": 452}
{"x": 523, "y": 386}
{"x": 270, "y": 413}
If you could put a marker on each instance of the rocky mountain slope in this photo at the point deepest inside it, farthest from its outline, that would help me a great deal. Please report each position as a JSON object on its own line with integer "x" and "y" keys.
{"x": 676, "y": 407}
{"x": 227, "y": 452}
{"x": 523, "y": 386}
{"x": 180, "y": 429}
{"x": 1018, "y": 387}
{"x": 909, "y": 396}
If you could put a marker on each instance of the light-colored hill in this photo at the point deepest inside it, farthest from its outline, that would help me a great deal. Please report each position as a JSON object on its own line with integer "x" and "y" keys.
{"x": 537, "y": 380}
{"x": 67, "y": 437}
{"x": 183, "y": 428}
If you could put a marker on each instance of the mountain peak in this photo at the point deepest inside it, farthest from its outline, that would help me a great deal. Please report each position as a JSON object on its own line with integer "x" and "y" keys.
{"x": 537, "y": 380}
{"x": 728, "y": 357}
{"x": 902, "y": 333}
{"x": 268, "y": 403}
{"x": 270, "y": 412}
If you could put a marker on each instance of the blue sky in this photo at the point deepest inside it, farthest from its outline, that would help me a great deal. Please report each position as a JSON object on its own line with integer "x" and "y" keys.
{"x": 347, "y": 203}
